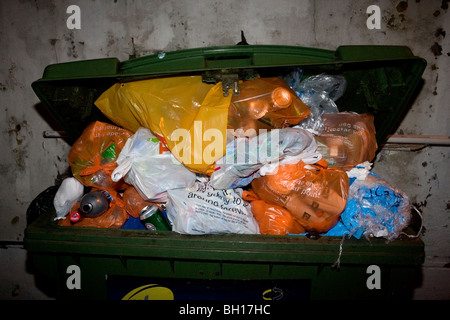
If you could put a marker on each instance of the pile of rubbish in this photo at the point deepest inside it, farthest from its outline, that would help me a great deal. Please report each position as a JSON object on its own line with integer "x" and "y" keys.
{"x": 277, "y": 159}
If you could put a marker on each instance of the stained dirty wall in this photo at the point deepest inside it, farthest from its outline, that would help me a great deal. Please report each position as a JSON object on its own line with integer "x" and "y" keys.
{"x": 33, "y": 34}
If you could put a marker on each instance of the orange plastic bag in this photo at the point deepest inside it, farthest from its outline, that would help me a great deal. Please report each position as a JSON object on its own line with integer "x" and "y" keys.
{"x": 272, "y": 219}
{"x": 313, "y": 194}
{"x": 92, "y": 157}
{"x": 348, "y": 139}
{"x": 265, "y": 103}
{"x": 133, "y": 202}
{"x": 115, "y": 217}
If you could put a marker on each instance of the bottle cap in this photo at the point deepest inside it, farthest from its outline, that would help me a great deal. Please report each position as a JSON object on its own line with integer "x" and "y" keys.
{"x": 75, "y": 217}
{"x": 281, "y": 97}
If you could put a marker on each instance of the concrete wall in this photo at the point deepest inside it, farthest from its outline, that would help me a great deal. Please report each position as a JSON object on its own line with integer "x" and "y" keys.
{"x": 33, "y": 34}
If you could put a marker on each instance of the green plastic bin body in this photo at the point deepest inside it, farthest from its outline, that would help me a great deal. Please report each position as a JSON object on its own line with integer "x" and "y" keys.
{"x": 91, "y": 263}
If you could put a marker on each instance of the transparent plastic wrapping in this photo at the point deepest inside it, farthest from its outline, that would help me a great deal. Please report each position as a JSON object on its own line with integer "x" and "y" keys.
{"x": 319, "y": 93}
{"x": 264, "y": 103}
{"x": 374, "y": 208}
{"x": 247, "y": 158}
{"x": 348, "y": 139}
{"x": 384, "y": 210}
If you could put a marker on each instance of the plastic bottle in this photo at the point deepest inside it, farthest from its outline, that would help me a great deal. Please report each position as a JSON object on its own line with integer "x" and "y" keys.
{"x": 95, "y": 203}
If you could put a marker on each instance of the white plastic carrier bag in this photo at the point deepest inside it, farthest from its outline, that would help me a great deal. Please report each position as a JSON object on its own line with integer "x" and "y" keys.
{"x": 150, "y": 167}
{"x": 202, "y": 209}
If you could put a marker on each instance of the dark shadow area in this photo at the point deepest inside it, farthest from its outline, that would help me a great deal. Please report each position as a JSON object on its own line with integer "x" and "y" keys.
{"x": 41, "y": 204}
{"x": 45, "y": 284}
{"x": 47, "y": 117}
{"x": 411, "y": 280}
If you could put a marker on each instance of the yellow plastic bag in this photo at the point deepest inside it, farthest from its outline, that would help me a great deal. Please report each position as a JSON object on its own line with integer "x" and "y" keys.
{"x": 189, "y": 116}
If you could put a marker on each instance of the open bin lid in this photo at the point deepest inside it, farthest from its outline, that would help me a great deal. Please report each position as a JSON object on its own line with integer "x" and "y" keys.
{"x": 381, "y": 80}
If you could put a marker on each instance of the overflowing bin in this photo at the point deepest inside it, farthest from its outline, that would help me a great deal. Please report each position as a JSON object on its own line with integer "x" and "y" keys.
{"x": 237, "y": 172}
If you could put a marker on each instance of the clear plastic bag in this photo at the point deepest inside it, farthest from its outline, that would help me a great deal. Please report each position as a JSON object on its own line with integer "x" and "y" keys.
{"x": 293, "y": 79}
{"x": 264, "y": 103}
{"x": 384, "y": 209}
{"x": 348, "y": 139}
{"x": 319, "y": 93}
{"x": 374, "y": 209}
{"x": 146, "y": 164}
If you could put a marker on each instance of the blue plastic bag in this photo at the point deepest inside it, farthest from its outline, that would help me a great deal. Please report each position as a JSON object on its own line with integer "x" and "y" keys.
{"x": 133, "y": 224}
{"x": 374, "y": 208}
